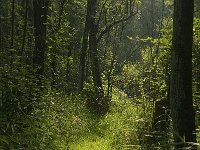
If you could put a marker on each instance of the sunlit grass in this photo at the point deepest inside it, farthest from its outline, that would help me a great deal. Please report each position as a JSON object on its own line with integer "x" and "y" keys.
{"x": 64, "y": 122}
{"x": 92, "y": 143}
{"x": 116, "y": 130}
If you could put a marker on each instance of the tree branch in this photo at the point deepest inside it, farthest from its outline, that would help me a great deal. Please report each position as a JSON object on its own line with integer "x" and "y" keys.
{"x": 101, "y": 12}
{"x": 109, "y": 27}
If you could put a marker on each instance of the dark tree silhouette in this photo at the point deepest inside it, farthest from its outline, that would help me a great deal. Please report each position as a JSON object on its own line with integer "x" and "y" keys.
{"x": 40, "y": 19}
{"x": 183, "y": 115}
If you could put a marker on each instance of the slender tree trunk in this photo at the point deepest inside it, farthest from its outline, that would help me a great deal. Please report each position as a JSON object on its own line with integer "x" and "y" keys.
{"x": 95, "y": 61}
{"x": 83, "y": 55}
{"x": 90, "y": 37}
{"x": 40, "y": 19}
{"x": 90, "y": 32}
{"x": 183, "y": 115}
{"x": 1, "y": 43}
{"x": 152, "y": 19}
{"x": 90, "y": 40}
{"x": 12, "y": 32}
{"x": 12, "y": 21}
{"x": 25, "y": 27}
{"x": 100, "y": 103}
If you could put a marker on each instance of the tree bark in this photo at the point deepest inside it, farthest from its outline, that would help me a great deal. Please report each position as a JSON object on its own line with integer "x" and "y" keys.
{"x": 90, "y": 41}
{"x": 12, "y": 21}
{"x": 93, "y": 48}
{"x": 99, "y": 103}
{"x": 12, "y": 33}
{"x": 40, "y": 19}
{"x": 25, "y": 28}
{"x": 83, "y": 53}
{"x": 183, "y": 115}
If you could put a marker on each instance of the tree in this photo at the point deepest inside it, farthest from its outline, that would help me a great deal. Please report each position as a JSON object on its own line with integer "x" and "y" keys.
{"x": 83, "y": 52}
{"x": 40, "y": 19}
{"x": 92, "y": 35}
{"x": 183, "y": 115}
{"x": 25, "y": 28}
{"x": 90, "y": 31}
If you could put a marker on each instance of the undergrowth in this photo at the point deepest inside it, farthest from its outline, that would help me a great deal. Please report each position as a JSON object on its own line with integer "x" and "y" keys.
{"x": 62, "y": 122}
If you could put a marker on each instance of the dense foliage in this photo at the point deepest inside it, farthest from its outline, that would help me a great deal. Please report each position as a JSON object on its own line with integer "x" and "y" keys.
{"x": 49, "y": 112}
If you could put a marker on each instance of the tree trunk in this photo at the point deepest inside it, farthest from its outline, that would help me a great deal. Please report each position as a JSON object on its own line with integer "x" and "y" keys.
{"x": 25, "y": 29}
{"x": 93, "y": 49}
{"x": 183, "y": 115}
{"x": 98, "y": 104}
{"x": 40, "y": 19}
{"x": 83, "y": 54}
{"x": 12, "y": 33}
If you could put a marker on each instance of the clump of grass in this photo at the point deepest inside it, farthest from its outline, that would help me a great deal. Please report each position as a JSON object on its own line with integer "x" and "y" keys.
{"x": 120, "y": 124}
{"x": 64, "y": 120}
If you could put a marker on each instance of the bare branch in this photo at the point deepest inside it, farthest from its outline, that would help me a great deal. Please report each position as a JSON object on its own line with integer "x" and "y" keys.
{"x": 103, "y": 6}
{"x": 109, "y": 27}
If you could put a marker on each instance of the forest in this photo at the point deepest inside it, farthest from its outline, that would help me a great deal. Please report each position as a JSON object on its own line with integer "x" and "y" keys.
{"x": 99, "y": 74}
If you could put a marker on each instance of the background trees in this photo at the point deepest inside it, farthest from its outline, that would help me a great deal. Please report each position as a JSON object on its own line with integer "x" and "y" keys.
{"x": 115, "y": 53}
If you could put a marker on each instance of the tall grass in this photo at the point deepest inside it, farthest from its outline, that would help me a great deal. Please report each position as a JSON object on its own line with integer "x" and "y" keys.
{"x": 62, "y": 122}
